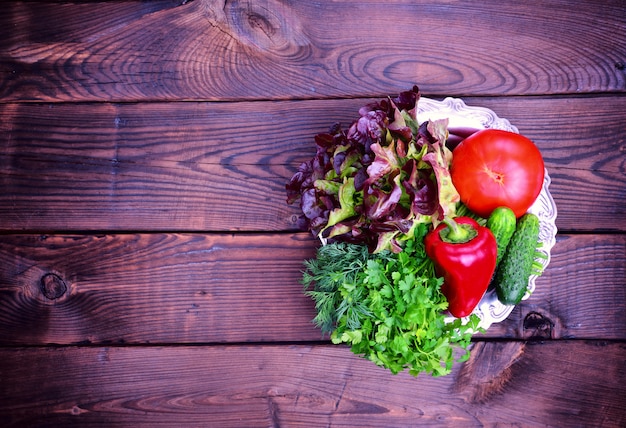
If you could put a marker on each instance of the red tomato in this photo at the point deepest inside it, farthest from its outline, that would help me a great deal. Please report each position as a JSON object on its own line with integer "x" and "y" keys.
{"x": 494, "y": 168}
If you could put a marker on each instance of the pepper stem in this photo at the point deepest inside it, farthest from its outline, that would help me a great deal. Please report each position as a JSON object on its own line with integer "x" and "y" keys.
{"x": 457, "y": 233}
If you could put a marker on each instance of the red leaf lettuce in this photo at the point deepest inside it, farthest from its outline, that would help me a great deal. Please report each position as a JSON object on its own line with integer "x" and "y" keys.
{"x": 373, "y": 183}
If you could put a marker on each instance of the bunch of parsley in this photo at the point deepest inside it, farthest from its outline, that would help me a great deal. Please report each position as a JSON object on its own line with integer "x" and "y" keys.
{"x": 387, "y": 306}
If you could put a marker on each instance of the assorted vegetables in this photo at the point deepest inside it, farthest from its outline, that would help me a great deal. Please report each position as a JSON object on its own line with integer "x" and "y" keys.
{"x": 417, "y": 224}
{"x": 387, "y": 306}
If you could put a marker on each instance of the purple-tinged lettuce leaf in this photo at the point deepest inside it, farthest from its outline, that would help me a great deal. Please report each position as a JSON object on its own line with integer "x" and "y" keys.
{"x": 327, "y": 186}
{"x": 370, "y": 128}
{"x": 399, "y": 128}
{"x": 313, "y": 206}
{"x": 346, "y": 204}
{"x": 379, "y": 203}
{"x": 438, "y": 129}
{"x": 385, "y": 161}
{"x": 299, "y": 182}
{"x": 421, "y": 190}
{"x": 337, "y": 230}
{"x": 407, "y": 101}
{"x": 438, "y": 157}
{"x": 388, "y": 241}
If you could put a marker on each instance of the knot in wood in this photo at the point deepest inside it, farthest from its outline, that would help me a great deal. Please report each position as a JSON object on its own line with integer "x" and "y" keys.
{"x": 271, "y": 26}
{"x": 537, "y": 326}
{"x": 52, "y": 286}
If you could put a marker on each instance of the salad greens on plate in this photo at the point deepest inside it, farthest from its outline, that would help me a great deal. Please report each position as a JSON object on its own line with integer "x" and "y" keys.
{"x": 388, "y": 307}
{"x": 405, "y": 258}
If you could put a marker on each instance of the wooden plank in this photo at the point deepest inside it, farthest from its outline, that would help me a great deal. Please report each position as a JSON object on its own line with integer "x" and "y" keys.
{"x": 236, "y": 50}
{"x": 195, "y": 288}
{"x": 510, "y": 383}
{"x": 157, "y": 288}
{"x": 581, "y": 295}
{"x": 223, "y": 166}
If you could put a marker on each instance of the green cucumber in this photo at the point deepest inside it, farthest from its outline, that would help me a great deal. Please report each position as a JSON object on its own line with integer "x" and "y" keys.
{"x": 502, "y": 223}
{"x": 518, "y": 263}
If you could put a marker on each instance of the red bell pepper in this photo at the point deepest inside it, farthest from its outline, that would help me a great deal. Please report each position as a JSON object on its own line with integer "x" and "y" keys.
{"x": 464, "y": 254}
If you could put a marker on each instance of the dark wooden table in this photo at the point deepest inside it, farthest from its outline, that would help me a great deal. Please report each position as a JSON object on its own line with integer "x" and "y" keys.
{"x": 150, "y": 267}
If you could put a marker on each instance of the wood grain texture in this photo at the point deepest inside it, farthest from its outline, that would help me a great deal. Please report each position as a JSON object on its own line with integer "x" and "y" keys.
{"x": 236, "y": 50}
{"x": 573, "y": 298}
{"x": 156, "y": 288}
{"x": 223, "y": 166}
{"x": 535, "y": 384}
{"x": 194, "y": 288}
{"x": 150, "y": 268}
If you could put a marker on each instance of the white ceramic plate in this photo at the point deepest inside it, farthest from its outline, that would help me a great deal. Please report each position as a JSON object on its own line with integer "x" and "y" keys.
{"x": 490, "y": 310}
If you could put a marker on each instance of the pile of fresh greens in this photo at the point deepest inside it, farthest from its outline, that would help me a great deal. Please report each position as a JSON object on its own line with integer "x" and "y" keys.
{"x": 373, "y": 183}
{"x": 387, "y": 306}
{"x": 371, "y": 193}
